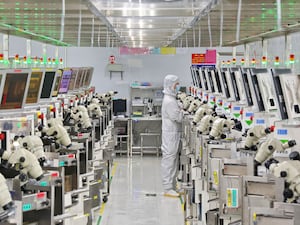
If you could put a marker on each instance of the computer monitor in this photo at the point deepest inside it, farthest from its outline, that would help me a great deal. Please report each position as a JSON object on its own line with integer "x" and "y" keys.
{"x": 210, "y": 80}
{"x": 234, "y": 83}
{"x": 33, "y": 93}
{"x": 73, "y": 79}
{"x": 204, "y": 80}
{"x": 56, "y": 85}
{"x": 65, "y": 81}
{"x": 247, "y": 83}
{"x": 193, "y": 76}
{"x": 88, "y": 76}
{"x": 227, "y": 85}
{"x": 79, "y": 78}
{"x": 47, "y": 87}
{"x": 16, "y": 83}
{"x": 119, "y": 107}
{"x": 197, "y": 75}
{"x": 217, "y": 80}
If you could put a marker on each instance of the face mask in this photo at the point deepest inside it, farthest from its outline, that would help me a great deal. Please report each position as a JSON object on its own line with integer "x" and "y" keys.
{"x": 177, "y": 88}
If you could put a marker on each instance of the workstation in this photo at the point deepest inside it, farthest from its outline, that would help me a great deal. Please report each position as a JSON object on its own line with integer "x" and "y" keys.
{"x": 82, "y": 121}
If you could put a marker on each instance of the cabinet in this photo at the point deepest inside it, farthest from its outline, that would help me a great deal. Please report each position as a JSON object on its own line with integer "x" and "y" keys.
{"x": 145, "y": 101}
{"x": 145, "y": 111}
{"x": 122, "y": 127}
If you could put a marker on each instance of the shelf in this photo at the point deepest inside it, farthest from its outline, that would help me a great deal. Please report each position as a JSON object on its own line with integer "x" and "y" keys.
{"x": 146, "y": 87}
{"x": 138, "y": 105}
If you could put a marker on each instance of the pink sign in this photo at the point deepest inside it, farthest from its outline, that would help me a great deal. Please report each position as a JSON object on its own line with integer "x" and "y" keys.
{"x": 211, "y": 56}
{"x": 133, "y": 51}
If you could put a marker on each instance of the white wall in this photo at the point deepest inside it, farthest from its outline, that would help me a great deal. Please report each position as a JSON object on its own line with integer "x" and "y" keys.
{"x": 149, "y": 68}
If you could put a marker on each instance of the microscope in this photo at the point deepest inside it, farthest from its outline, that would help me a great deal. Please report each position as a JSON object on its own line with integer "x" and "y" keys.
{"x": 35, "y": 145}
{"x": 201, "y": 112}
{"x": 254, "y": 134}
{"x": 60, "y": 135}
{"x": 105, "y": 99}
{"x": 290, "y": 171}
{"x": 223, "y": 125}
{"x": 94, "y": 110}
{"x": 181, "y": 96}
{"x": 150, "y": 106}
{"x": 186, "y": 102}
{"x": 267, "y": 148}
{"x": 205, "y": 124}
{"x": 5, "y": 200}
{"x": 195, "y": 104}
{"x": 23, "y": 161}
{"x": 81, "y": 117}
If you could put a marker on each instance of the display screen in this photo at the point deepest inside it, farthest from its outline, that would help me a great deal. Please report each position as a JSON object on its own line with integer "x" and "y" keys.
{"x": 57, "y": 82}
{"x": 88, "y": 77}
{"x": 34, "y": 87}
{"x": 47, "y": 84}
{"x": 79, "y": 78}
{"x": 218, "y": 81}
{"x": 119, "y": 107}
{"x": 73, "y": 79}
{"x": 14, "y": 91}
{"x": 65, "y": 81}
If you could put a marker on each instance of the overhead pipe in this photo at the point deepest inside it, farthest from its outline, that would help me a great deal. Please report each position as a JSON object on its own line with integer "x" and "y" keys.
{"x": 62, "y": 23}
{"x": 279, "y": 27}
{"x": 99, "y": 45}
{"x": 92, "y": 36}
{"x": 99, "y": 15}
{"x": 238, "y": 22}
{"x": 221, "y": 23}
{"x": 194, "y": 36}
{"x": 186, "y": 40}
{"x": 79, "y": 28}
{"x": 196, "y": 19}
{"x": 209, "y": 30}
{"x": 199, "y": 40}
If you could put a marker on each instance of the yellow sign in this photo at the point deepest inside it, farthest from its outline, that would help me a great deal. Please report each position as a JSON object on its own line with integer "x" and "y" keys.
{"x": 216, "y": 177}
{"x": 168, "y": 51}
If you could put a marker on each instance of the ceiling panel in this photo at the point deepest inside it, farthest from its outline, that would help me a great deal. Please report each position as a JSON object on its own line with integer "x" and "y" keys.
{"x": 148, "y": 23}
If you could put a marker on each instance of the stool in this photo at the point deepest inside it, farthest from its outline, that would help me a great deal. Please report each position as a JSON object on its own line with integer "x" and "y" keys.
{"x": 157, "y": 146}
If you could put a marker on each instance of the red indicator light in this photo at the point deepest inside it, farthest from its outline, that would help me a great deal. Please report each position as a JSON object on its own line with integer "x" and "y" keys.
{"x": 41, "y": 194}
{"x": 272, "y": 128}
{"x": 54, "y": 174}
{"x": 71, "y": 156}
{"x": 2, "y": 136}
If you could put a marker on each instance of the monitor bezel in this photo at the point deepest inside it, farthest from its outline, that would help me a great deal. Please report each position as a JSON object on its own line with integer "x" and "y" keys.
{"x": 61, "y": 79}
{"x": 51, "y": 92}
{"x": 3, "y": 80}
{"x": 40, "y": 87}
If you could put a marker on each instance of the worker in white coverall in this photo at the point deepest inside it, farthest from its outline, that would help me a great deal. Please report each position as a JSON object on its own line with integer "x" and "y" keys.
{"x": 171, "y": 133}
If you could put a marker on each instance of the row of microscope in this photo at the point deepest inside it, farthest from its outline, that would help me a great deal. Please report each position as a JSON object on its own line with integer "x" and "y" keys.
{"x": 56, "y": 160}
{"x": 239, "y": 163}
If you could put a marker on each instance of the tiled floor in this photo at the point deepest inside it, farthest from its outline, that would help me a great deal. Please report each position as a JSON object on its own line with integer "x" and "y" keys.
{"x": 136, "y": 196}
